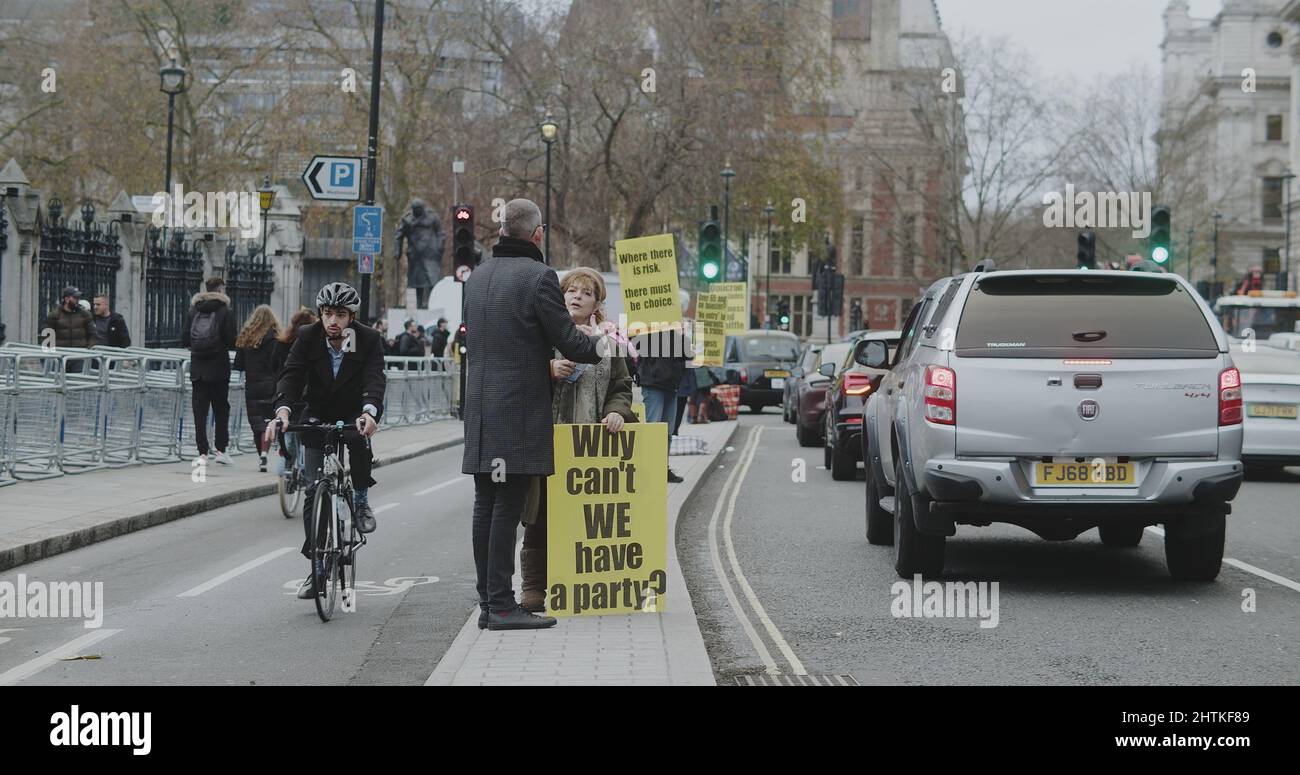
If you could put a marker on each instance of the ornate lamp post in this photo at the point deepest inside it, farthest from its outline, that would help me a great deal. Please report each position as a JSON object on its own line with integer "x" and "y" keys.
{"x": 727, "y": 174}
{"x": 767, "y": 282}
{"x": 172, "y": 77}
{"x": 549, "y": 129}
{"x": 265, "y": 198}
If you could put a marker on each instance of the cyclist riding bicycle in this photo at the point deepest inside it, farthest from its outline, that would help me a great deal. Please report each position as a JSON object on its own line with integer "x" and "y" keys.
{"x": 336, "y": 369}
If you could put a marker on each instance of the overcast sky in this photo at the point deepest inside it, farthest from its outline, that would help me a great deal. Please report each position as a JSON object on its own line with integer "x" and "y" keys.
{"x": 1080, "y": 39}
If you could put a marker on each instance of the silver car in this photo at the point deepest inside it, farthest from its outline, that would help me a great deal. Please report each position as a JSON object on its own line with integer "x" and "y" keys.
{"x": 1270, "y": 384}
{"x": 1059, "y": 401}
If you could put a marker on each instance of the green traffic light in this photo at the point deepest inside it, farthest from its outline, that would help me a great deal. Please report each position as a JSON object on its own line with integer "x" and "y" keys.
{"x": 709, "y": 270}
{"x": 1160, "y": 254}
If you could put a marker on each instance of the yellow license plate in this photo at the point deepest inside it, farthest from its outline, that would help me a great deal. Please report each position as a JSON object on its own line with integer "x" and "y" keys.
{"x": 1278, "y": 411}
{"x": 776, "y": 373}
{"x": 1098, "y": 473}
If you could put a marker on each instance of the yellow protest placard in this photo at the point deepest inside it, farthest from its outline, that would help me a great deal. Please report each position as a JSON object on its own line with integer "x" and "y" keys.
{"x": 737, "y": 307}
{"x": 711, "y": 325}
{"x": 647, "y": 272}
{"x": 607, "y": 520}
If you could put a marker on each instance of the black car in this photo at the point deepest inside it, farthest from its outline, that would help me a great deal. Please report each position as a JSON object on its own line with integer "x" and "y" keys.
{"x": 806, "y": 365}
{"x": 851, "y": 385}
{"x": 760, "y": 361}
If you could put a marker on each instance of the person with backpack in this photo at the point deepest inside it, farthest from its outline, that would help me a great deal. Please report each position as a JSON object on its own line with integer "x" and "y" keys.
{"x": 210, "y": 334}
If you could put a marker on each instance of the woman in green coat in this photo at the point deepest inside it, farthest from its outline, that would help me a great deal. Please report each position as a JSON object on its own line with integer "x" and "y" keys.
{"x": 581, "y": 393}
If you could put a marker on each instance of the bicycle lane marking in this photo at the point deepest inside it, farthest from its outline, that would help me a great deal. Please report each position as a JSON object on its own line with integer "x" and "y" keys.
{"x": 746, "y": 625}
{"x": 72, "y": 648}
{"x": 1247, "y": 567}
{"x": 228, "y": 575}
{"x": 768, "y": 624}
{"x": 447, "y": 483}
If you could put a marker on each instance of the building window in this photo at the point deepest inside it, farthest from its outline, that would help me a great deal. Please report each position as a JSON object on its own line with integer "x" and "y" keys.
{"x": 909, "y": 244}
{"x": 1274, "y": 40}
{"x": 857, "y": 247}
{"x": 775, "y": 253}
{"x": 785, "y": 259}
{"x": 1274, "y": 131}
{"x": 1272, "y": 199}
{"x": 851, "y": 19}
{"x": 1272, "y": 261}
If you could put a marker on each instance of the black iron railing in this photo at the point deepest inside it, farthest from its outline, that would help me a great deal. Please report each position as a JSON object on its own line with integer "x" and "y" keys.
{"x": 82, "y": 255}
{"x": 173, "y": 274}
{"x": 249, "y": 281}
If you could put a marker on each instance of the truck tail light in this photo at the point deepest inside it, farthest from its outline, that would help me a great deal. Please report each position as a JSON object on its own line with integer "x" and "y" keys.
{"x": 1229, "y": 397}
{"x": 941, "y": 395}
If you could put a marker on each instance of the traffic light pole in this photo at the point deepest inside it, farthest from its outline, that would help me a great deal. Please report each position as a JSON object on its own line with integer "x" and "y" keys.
{"x": 376, "y": 66}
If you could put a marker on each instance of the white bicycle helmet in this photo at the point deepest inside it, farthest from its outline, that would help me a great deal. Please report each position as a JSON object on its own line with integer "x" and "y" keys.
{"x": 339, "y": 295}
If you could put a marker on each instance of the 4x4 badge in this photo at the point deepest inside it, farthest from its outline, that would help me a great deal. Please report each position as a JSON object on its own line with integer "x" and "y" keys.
{"x": 1089, "y": 409}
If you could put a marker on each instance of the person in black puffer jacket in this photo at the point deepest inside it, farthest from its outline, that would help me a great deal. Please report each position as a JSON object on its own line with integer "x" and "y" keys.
{"x": 255, "y": 356}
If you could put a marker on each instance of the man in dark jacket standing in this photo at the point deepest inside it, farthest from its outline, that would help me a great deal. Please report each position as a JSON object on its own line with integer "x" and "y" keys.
{"x": 209, "y": 334}
{"x": 659, "y": 369}
{"x": 110, "y": 327}
{"x": 514, "y": 316}
{"x": 72, "y": 326}
{"x": 438, "y": 341}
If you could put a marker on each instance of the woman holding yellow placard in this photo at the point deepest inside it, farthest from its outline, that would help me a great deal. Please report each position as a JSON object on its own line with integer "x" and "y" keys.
{"x": 581, "y": 393}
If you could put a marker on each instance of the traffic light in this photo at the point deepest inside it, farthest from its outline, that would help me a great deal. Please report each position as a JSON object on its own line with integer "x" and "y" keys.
{"x": 1158, "y": 242}
{"x": 783, "y": 314}
{"x": 460, "y": 339}
{"x": 711, "y": 249}
{"x": 1087, "y": 255}
{"x": 463, "y": 254}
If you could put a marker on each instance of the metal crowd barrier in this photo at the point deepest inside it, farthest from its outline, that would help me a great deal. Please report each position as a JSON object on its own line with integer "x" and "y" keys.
{"x": 69, "y": 410}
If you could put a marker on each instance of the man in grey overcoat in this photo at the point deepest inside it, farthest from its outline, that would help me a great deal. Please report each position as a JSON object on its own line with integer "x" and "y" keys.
{"x": 514, "y": 317}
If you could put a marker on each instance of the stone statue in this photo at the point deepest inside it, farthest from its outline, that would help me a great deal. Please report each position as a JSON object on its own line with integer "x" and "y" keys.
{"x": 422, "y": 232}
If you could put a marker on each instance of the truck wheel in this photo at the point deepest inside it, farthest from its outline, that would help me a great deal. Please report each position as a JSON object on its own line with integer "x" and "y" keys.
{"x": 914, "y": 552}
{"x": 880, "y": 523}
{"x": 843, "y": 467}
{"x": 1194, "y": 546}
{"x": 1121, "y": 535}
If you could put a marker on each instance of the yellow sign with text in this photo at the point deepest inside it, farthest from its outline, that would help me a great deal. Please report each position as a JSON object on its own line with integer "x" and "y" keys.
{"x": 647, "y": 272}
{"x": 607, "y": 520}
{"x": 711, "y": 325}
{"x": 736, "y": 307}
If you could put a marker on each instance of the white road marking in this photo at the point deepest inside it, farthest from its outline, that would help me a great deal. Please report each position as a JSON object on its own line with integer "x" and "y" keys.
{"x": 771, "y": 628}
{"x": 448, "y": 483}
{"x": 745, "y": 624}
{"x": 1160, "y": 531}
{"x": 70, "y": 649}
{"x": 385, "y": 507}
{"x": 228, "y": 575}
{"x": 1273, "y": 577}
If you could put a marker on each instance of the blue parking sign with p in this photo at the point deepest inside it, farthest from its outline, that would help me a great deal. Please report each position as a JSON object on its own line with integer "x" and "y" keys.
{"x": 342, "y": 173}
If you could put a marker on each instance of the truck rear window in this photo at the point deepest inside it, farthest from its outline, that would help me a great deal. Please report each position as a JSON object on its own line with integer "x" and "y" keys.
{"x": 1036, "y": 316}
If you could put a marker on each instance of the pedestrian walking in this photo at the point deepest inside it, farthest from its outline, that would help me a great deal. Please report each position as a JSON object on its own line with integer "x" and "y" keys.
{"x": 255, "y": 356}
{"x": 515, "y": 317}
{"x": 283, "y": 344}
{"x": 209, "y": 334}
{"x": 110, "y": 327}
{"x": 600, "y": 393}
{"x": 438, "y": 339}
{"x": 660, "y": 365}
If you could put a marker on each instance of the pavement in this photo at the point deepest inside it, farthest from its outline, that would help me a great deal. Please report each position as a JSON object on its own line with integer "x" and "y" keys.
{"x": 46, "y": 517}
{"x": 625, "y": 649}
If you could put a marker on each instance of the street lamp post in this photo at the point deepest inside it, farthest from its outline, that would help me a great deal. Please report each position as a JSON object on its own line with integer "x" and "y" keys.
{"x": 727, "y": 174}
{"x": 1189, "y": 255}
{"x": 265, "y": 197}
{"x": 1284, "y": 282}
{"x": 767, "y": 260}
{"x": 1214, "y": 256}
{"x": 549, "y": 129}
{"x": 172, "y": 77}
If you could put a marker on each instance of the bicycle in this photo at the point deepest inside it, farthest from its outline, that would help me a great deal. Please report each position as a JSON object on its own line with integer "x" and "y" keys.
{"x": 290, "y": 481}
{"x": 336, "y": 536}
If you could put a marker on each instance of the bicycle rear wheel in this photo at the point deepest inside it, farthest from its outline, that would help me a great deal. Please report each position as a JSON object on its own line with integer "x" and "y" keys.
{"x": 325, "y": 553}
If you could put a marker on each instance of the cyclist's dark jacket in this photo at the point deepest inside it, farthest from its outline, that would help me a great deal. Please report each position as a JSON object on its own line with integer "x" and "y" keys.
{"x": 308, "y": 376}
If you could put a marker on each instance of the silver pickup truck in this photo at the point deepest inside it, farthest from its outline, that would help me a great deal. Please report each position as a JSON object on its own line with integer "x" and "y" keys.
{"x": 1058, "y": 401}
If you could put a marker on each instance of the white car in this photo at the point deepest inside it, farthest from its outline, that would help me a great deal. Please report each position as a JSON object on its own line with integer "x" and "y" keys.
{"x": 1270, "y": 384}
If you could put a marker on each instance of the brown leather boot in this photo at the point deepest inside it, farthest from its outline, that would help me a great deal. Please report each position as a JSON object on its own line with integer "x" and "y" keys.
{"x": 532, "y": 566}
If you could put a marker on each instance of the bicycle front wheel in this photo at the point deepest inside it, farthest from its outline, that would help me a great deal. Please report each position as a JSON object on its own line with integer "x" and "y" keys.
{"x": 289, "y": 489}
{"x": 325, "y": 552}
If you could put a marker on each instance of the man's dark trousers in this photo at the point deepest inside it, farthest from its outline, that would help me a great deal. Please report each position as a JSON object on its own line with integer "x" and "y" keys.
{"x": 215, "y": 395}
{"x": 497, "y": 507}
{"x": 360, "y": 461}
